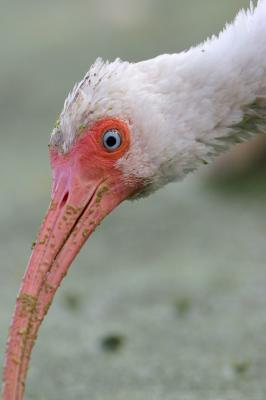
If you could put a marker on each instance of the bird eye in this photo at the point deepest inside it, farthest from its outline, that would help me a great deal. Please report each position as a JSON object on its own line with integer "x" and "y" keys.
{"x": 111, "y": 139}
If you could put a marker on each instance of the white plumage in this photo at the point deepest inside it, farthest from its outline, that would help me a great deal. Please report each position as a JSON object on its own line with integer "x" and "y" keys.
{"x": 182, "y": 109}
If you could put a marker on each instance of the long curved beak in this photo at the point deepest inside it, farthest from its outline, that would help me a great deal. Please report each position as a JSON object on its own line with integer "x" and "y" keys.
{"x": 75, "y": 210}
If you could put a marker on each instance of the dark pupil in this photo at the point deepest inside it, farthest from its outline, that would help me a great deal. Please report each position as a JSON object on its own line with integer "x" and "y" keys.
{"x": 111, "y": 141}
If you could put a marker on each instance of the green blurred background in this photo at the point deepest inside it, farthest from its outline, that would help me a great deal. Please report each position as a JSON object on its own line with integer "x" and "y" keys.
{"x": 167, "y": 300}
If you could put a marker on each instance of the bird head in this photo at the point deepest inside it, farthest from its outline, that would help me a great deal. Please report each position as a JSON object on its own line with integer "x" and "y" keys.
{"x": 125, "y": 125}
{"x": 118, "y": 116}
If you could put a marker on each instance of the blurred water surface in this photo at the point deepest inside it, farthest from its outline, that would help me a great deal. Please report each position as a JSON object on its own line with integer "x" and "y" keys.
{"x": 178, "y": 278}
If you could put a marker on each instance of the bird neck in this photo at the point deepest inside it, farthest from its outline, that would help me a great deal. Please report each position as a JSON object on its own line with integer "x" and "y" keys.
{"x": 209, "y": 97}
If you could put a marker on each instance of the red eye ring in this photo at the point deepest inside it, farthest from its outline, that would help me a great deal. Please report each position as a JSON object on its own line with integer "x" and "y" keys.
{"x": 102, "y": 127}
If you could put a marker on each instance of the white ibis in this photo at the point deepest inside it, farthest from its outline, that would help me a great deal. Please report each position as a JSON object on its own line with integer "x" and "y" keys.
{"x": 125, "y": 131}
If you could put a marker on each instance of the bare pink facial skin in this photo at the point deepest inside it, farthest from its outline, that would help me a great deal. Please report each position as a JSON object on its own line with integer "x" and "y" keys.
{"x": 86, "y": 187}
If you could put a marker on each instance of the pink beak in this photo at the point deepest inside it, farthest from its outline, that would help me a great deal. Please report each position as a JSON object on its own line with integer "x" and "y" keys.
{"x": 76, "y": 208}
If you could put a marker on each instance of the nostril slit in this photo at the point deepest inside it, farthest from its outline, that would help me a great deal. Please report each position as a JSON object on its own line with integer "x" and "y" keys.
{"x": 64, "y": 200}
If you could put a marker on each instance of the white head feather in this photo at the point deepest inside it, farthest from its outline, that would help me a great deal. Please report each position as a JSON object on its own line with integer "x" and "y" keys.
{"x": 182, "y": 109}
